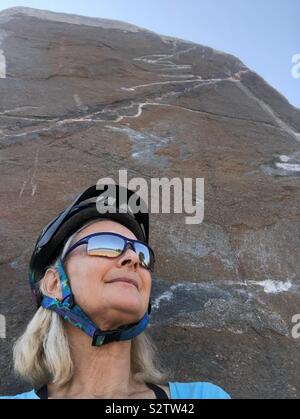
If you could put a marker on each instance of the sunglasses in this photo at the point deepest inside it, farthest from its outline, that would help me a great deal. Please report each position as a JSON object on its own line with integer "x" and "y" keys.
{"x": 112, "y": 245}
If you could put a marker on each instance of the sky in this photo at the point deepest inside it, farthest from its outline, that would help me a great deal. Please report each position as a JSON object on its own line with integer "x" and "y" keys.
{"x": 264, "y": 34}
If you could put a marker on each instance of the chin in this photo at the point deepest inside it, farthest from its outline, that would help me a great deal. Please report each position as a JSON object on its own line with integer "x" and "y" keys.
{"x": 129, "y": 302}
{"x": 121, "y": 313}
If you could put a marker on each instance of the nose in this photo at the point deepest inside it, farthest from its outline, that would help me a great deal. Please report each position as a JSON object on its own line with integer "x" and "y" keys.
{"x": 129, "y": 258}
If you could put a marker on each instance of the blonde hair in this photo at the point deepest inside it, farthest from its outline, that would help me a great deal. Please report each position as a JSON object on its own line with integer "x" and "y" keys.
{"x": 42, "y": 354}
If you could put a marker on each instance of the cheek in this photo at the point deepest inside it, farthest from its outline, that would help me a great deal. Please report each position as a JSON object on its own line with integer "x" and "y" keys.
{"x": 146, "y": 283}
{"x": 86, "y": 276}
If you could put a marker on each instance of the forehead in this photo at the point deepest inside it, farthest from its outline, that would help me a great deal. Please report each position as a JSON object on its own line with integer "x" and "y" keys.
{"x": 103, "y": 226}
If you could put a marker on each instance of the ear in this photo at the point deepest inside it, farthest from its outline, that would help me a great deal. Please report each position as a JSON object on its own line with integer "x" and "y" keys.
{"x": 51, "y": 284}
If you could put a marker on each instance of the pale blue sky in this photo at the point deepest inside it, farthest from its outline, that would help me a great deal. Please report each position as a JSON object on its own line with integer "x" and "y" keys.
{"x": 264, "y": 34}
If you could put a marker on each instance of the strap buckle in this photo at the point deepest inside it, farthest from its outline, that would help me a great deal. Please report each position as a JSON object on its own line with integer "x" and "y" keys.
{"x": 107, "y": 337}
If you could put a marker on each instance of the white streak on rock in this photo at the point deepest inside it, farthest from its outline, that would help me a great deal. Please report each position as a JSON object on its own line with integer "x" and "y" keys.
{"x": 71, "y": 120}
{"x": 24, "y": 134}
{"x": 186, "y": 51}
{"x": 157, "y": 58}
{"x": 32, "y": 180}
{"x": 162, "y": 83}
{"x": 18, "y": 109}
{"x": 140, "y": 110}
{"x": 284, "y": 159}
{"x": 54, "y": 123}
{"x": 3, "y": 35}
{"x": 2, "y": 65}
{"x": 127, "y": 89}
{"x": 23, "y": 187}
{"x": 77, "y": 99}
{"x": 142, "y": 105}
{"x": 179, "y": 76}
{"x": 172, "y": 67}
{"x": 163, "y": 61}
{"x": 289, "y": 167}
{"x": 274, "y": 287}
{"x": 166, "y": 296}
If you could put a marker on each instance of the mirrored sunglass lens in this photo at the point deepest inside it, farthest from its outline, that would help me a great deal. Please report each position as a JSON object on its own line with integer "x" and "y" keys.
{"x": 105, "y": 245}
{"x": 144, "y": 255}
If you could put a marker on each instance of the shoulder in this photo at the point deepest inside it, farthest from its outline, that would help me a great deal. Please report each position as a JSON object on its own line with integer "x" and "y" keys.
{"x": 196, "y": 390}
{"x": 29, "y": 395}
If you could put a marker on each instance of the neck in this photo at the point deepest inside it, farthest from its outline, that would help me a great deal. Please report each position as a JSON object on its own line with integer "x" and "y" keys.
{"x": 100, "y": 372}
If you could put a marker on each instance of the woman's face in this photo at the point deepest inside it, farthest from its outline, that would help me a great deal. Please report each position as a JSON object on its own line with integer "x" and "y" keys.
{"x": 109, "y": 305}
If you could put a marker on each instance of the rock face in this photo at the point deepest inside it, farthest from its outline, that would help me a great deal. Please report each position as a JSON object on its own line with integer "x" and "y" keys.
{"x": 81, "y": 98}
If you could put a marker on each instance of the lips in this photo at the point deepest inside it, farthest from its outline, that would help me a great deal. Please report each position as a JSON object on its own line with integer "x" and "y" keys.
{"x": 129, "y": 280}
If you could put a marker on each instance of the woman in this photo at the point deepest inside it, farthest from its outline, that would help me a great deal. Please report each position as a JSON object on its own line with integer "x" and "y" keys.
{"x": 90, "y": 275}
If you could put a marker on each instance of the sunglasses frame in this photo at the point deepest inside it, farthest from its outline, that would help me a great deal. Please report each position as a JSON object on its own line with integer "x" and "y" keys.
{"x": 127, "y": 241}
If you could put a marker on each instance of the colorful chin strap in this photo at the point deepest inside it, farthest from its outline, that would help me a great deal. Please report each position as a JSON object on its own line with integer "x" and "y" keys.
{"x": 73, "y": 314}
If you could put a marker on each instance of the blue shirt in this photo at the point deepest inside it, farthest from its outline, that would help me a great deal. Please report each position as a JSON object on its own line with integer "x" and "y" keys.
{"x": 194, "y": 390}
